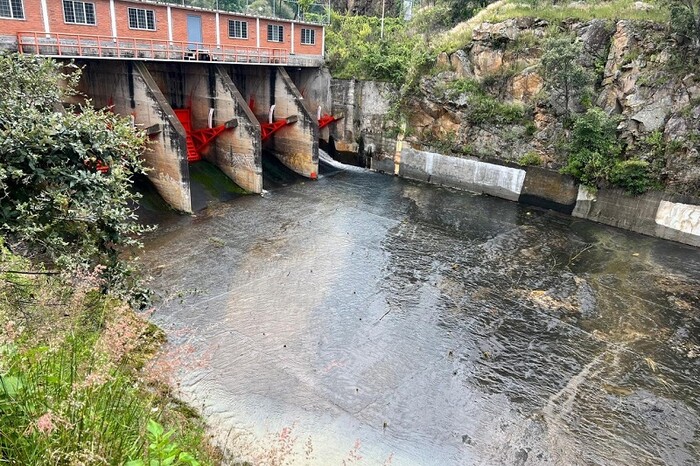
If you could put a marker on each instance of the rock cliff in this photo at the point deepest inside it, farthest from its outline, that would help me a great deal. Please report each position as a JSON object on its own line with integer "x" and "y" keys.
{"x": 490, "y": 99}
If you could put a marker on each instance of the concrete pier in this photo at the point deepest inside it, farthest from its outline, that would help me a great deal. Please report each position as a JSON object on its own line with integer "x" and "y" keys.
{"x": 296, "y": 145}
{"x": 130, "y": 90}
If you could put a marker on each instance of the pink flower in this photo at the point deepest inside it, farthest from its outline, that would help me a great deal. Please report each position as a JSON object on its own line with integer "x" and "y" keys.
{"x": 45, "y": 424}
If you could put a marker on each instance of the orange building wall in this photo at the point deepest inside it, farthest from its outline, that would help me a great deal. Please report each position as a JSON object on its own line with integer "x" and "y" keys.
{"x": 122, "y": 16}
{"x": 180, "y": 25}
{"x": 226, "y": 41}
{"x": 32, "y": 20}
{"x": 285, "y": 45}
{"x": 304, "y": 49}
{"x": 57, "y": 24}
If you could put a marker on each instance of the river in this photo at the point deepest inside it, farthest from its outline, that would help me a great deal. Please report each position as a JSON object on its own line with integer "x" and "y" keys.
{"x": 366, "y": 319}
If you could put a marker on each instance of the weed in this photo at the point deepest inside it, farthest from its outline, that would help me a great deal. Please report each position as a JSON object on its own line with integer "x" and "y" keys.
{"x": 531, "y": 158}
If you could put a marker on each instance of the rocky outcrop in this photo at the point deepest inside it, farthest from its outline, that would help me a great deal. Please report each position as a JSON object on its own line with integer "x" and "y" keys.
{"x": 638, "y": 77}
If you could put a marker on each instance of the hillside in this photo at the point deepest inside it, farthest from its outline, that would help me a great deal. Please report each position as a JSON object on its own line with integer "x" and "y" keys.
{"x": 498, "y": 86}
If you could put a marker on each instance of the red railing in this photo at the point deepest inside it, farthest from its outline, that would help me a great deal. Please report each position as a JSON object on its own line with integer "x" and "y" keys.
{"x": 88, "y": 46}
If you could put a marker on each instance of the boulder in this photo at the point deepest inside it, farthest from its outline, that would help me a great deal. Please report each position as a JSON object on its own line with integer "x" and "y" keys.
{"x": 526, "y": 84}
{"x": 461, "y": 64}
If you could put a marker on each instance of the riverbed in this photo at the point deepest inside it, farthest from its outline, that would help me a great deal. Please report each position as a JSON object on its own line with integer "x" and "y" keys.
{"x": 366, "y": 319}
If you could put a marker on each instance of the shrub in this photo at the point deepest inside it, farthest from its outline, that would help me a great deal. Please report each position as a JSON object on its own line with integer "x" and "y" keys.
{"x": 482, "y": 107}
{"x": 594, "y": 156}
{"x": 530, "y": 158}
{"x": 633, "y": 175}
{"x": 593, "y": 149}
{"x": 54, "y": 198}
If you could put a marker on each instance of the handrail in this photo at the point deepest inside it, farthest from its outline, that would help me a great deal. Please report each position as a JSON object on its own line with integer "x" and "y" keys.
{"x": 96, "y": 46}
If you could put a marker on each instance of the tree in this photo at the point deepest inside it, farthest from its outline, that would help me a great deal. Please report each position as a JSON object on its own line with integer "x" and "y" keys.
{"x": 685, "y": 19}
{"x": 55, "y": 203}
{"x": 561, "y": 70}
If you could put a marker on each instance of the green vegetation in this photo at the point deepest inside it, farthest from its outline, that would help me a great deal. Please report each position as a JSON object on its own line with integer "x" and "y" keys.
{"x": 594, "y": 148}
{"x": 584, "y": 11}
{"x": 685, "y": 19}
{"x": 562, "y": 73}
{"x": 356, "y": 50}
{"x": 531, "y": 159}
{"x": 75, "y": 387}
{"x": 594, "y": 156}
{"x": 482, "y": 107}
{"x": 55, "y": 202}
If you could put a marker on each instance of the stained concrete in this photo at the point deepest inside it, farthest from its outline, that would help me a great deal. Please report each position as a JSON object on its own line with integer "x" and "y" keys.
{"x": 130, "y": 90}
{"x": 203, "y": 88}
{"x": 296, "y": 145}
{"x": 651, "y": 213}
{"x": 314, "y": 85}
{"x": 472, "y": 175}
{"x": 366, "y": 106}
{"x": 549, "y": 189}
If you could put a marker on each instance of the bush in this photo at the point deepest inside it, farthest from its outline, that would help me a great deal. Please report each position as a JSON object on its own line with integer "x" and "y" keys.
{"x": 594, "y": 156}
{"x": 55, "y": 200}
{"x": 355, "y": 49}
{"x": 633, "y": 175}
{"x": 482, "y": 107}
{"x": 593, "y": 149}
{"x": 530, "y": 158}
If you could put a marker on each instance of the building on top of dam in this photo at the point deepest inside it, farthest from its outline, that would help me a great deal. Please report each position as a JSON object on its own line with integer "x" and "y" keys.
{"x": 159, "y": 31}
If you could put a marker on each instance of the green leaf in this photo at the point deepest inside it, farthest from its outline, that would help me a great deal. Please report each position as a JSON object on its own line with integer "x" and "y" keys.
{"x": 135, "y": 463}
{"x": 10, "y": 386}
{"x": 188, "y": 459}
{"x": 155, "y": 429}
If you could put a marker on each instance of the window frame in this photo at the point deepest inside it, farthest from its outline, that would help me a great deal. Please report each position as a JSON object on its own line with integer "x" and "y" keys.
{"x": 241, "y": 22}
{"x": 12, "y": 11}
{"x": 85, "y": 15}
{"x": 312, "y": 35}
{"x": 270, "y": 33}
{"x": 146, "y": 11}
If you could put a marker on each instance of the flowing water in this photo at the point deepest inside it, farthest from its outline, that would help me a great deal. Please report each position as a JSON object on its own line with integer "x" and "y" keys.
{"x": 365, "y": 319}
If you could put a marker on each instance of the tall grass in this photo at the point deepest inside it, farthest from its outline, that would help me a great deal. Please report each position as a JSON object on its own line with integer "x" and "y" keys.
{"x": 584, "y": 11}
{"x": 73, "y": 388}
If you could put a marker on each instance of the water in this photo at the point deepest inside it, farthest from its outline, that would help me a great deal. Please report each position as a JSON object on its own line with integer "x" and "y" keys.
{"x": 412, "y": 325}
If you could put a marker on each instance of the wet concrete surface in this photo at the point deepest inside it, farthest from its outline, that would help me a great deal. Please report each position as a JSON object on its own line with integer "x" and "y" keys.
{"x": 364, "y": 316}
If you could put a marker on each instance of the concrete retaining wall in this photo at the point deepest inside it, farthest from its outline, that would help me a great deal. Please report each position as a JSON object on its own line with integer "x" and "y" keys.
{"x": 654, "y": 213}
{"x": 472, "y": 175}
{"x": 366, "y": 106}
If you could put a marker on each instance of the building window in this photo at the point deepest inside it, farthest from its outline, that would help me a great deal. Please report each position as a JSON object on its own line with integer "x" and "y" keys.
{"x": 142, "y": 19}
{"x": 79, "y": 12}
{"x": 308, "y": 36}
{"x": 275, "y": 33}
{"x": 11, "y": 9}
{"x": 237, "y": 29}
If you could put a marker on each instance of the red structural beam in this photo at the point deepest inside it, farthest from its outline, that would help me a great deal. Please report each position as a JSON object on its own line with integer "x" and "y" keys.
{"x": 268, "y": 129}
{"x": 199, "y": 139}
{"x": 94, "y": 46}
{"x": 327, "y": 119}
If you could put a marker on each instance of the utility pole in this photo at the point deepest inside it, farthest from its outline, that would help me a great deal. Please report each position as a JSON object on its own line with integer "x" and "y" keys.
{"x": 381, "y": 33}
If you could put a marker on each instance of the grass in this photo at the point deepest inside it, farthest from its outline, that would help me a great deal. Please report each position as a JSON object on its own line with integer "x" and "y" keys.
{"x": 75, "y": 384}
{"x": 613, "y": 10}
{"x": 609, "y": 10}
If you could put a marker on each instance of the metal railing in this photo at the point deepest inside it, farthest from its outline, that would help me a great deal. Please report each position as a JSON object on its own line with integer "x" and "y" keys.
{"x": 89, "y": 46}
